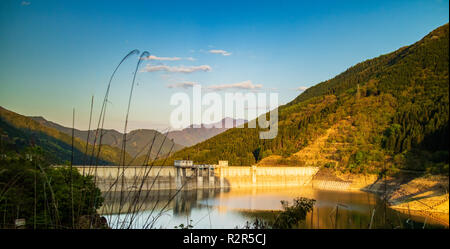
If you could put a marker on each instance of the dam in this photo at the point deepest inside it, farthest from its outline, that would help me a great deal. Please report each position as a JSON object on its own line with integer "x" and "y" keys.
{"x": 189, "y": 177}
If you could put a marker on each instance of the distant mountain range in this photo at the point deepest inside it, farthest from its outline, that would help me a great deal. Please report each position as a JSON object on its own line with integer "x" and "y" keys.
{"x": 138, "y": 141}
{"x": 55, "y": 139}
{"x": 192, "y": 135}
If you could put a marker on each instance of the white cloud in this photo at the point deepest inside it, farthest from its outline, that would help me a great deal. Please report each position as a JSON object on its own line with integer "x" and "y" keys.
{"x": 219, "y": 51}
{"x": 176, "y": 69}
{"x": 156, "y": 58}
{"x": 301, "y": 88}
{"x": 248, "y": 85}
{"x": 185, "y": 84}
{"x": 25, "y": 3}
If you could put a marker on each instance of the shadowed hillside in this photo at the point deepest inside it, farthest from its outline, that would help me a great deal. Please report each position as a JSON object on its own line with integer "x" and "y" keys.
{"x": 19, "y": 132}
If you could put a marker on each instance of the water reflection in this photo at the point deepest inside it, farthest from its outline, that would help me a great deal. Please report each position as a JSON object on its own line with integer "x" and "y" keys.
{"x": 215, "y": 208}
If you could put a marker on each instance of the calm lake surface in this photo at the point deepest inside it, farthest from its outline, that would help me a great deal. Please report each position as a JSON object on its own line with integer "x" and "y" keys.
{"x": 214, "y": 208}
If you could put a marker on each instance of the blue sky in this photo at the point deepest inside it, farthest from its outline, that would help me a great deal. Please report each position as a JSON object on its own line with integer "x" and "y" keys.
{"x": 56, "y": 54}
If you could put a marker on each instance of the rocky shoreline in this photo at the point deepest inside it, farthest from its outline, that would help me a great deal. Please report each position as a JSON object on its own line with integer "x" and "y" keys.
{"x": 424, "y": 195}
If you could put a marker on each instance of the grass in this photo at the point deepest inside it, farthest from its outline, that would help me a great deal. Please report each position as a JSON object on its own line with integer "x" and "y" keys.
{"x": 130, "y": 203}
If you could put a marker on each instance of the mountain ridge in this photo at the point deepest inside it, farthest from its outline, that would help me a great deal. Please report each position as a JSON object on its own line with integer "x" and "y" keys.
{"x": 137, "y": 140}
{"x": 191, "y": 135}
{"x": 22, "y": 132}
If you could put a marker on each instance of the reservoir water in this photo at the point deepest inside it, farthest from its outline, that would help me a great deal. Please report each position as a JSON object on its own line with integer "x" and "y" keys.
{"x": 236, "y": 207}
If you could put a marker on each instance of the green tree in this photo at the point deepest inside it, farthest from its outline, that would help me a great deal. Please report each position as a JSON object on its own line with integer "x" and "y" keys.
{"x": 42, "y": 194}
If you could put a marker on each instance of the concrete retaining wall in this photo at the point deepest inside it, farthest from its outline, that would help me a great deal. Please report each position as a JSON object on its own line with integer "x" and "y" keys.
{"x": 331, "y": 185}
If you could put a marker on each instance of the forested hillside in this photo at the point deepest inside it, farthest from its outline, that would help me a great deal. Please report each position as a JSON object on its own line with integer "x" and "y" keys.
{"x": 388, "y": 111}
{"x": 19, "y": 132}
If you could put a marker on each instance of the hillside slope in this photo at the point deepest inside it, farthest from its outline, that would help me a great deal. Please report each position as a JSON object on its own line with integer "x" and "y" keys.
{"x": 391, "y": 110}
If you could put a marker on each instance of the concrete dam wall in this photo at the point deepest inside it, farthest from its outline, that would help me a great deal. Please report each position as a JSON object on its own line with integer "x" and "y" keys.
{"x": 241, "y": 177}
{"x": 130, "y": 178}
